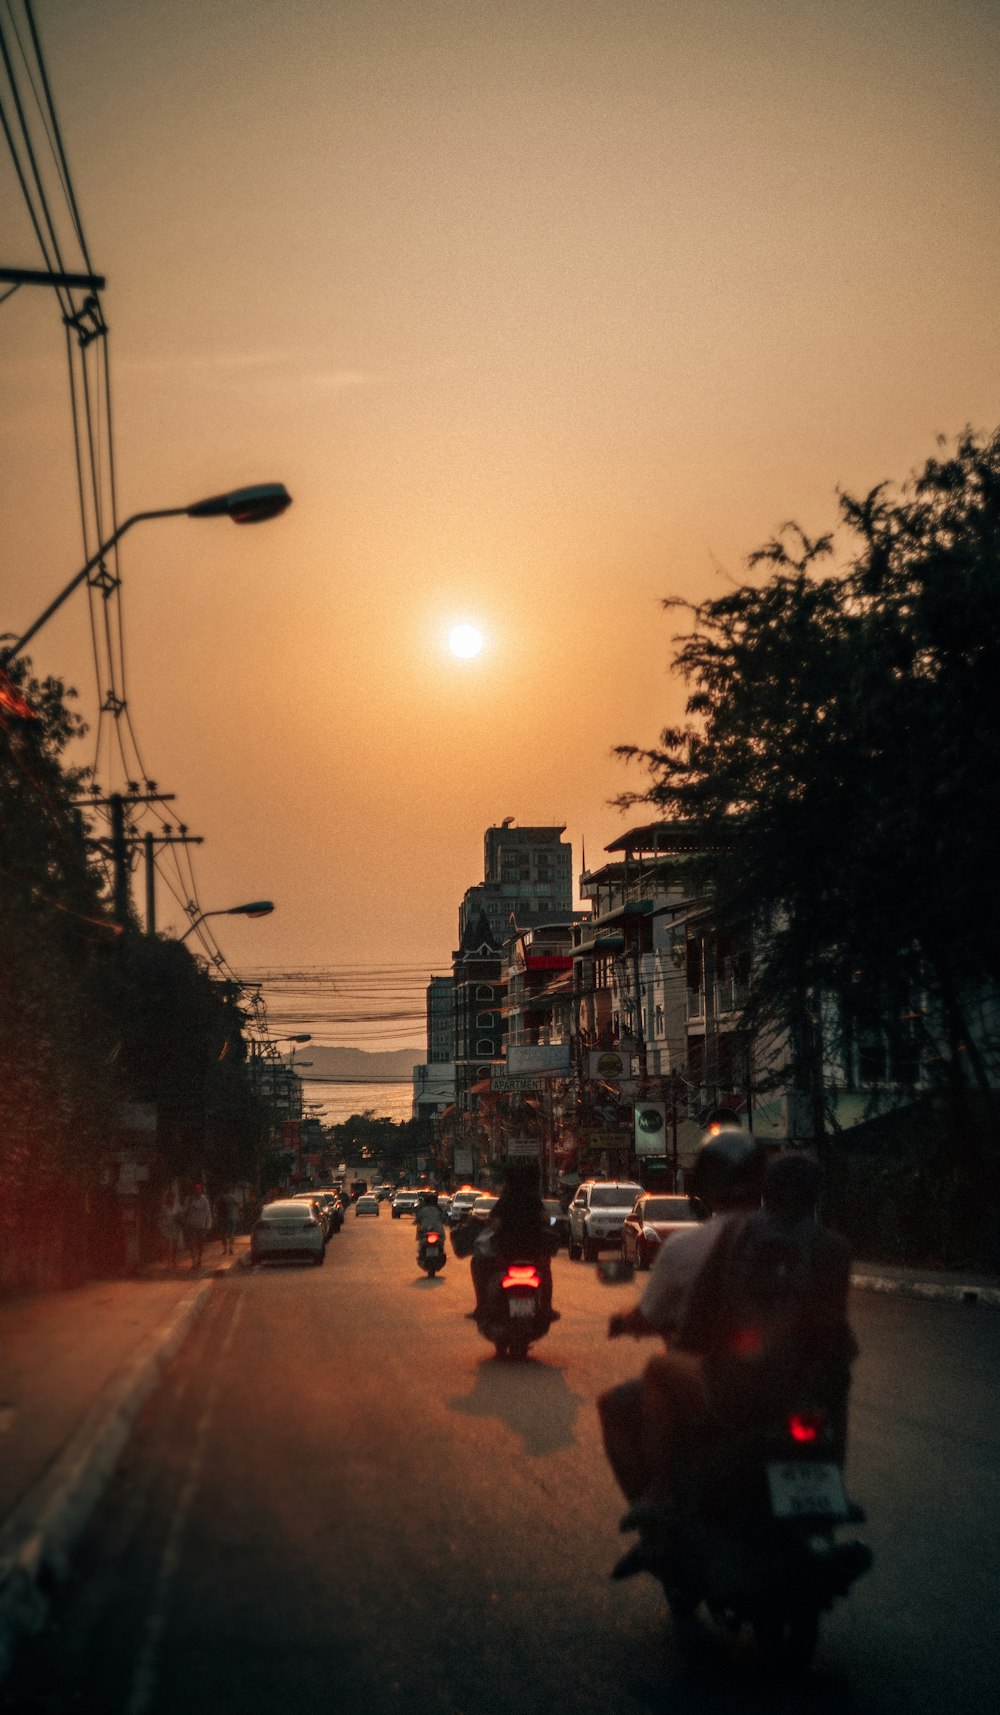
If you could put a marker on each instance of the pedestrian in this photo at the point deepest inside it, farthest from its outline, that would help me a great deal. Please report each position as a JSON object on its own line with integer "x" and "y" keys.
{"x": 197, "y": 1222}
{"x": 171, "y": 1228}
{"x": 229, "y": 1216}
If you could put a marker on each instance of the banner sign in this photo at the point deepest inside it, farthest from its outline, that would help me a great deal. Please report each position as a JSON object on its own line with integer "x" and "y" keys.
{"x": 650, "y": 1128}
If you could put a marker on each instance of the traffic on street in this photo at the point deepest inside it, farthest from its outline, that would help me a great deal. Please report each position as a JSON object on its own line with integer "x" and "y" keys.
{"x": 339, "y": 1497}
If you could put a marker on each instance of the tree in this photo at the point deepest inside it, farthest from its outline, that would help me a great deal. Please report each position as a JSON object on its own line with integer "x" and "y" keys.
{"x": 58, "y": 1081}
{"x": 842, "y": 754}
{"x": 92, "y": 1013}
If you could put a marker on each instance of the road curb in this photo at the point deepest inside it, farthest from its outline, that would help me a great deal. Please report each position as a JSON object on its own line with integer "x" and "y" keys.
{"x": 39, "y": 1535}
{"x": 951, "y": 1292}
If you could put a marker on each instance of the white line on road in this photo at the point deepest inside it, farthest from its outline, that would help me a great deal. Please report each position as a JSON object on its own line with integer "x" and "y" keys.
{"x": 145, "y": 1671}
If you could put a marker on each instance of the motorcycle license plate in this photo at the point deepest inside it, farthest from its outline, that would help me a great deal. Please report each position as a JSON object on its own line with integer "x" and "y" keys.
{"x": 522, "y": 1306}
{"x": 803, "y": 1489}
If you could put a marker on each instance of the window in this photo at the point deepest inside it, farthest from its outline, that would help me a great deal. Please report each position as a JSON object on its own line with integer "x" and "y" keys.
{"x": 484, "y": 1020}
{"x": 483, "y": 1047}
{"x": 484, "y": 993}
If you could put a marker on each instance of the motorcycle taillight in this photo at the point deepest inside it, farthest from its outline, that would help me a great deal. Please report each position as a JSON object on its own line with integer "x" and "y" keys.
{"x": 433, "y": 1238}
{"x": 806, "y": 1426}
{"x": 521, "y": 1275}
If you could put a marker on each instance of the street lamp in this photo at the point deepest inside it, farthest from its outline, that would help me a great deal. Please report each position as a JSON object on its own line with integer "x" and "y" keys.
{"x": 243, "y": 505}
{"x": 256, "y": 908}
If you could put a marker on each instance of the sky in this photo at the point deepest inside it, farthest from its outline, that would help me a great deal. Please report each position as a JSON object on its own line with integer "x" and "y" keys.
{"x": 544, "y": 311}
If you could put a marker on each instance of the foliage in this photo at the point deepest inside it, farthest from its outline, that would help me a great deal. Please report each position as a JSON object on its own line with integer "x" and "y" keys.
{"x": 842, "y": 755}
{"x": 92, "y": 1013}
{"x": 394, "y": 1143}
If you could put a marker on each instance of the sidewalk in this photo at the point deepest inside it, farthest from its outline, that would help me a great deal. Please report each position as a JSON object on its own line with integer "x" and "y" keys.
{"x": 76, "y": 1368}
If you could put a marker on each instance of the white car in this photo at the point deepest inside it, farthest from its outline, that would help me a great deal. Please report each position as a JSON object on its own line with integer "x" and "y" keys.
{"x": 288, "y": 1228}
{"x": 597, "y": 1215}
{"x": 367, "y": 1205}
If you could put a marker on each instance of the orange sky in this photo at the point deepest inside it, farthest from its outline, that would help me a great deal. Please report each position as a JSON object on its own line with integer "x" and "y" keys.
{"x": 543, "y": 311}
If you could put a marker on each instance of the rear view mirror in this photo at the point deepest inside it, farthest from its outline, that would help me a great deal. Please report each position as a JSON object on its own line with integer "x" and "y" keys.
{"x": 615, "y": 1271}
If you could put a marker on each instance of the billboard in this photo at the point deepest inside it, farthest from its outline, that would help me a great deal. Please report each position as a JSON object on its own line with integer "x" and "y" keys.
{"x": 650, "y": 1126}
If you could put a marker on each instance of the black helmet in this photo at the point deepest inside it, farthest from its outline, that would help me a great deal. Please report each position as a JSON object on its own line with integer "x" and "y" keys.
{"x": 792, "y": 1185}
{"x": 729, "y": 1169}
{"x": 429, "y": 1197}
{"x": 520, "y": 1173}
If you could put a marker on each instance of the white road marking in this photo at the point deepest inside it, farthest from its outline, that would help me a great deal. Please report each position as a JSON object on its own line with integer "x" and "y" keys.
{"x": 144, "y": 1674}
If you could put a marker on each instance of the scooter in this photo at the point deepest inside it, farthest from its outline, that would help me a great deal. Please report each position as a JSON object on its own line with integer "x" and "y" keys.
{"x": 753, "y": 1537}
{"x": 431, "y": 1254}
{"x": 515, "y": 1313}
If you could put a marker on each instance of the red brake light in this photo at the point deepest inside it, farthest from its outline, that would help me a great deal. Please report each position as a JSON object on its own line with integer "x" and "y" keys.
{"x": 433, "y": 1238}
{"x": 521, "y": 1275}
{"x": 805, "y": 1426}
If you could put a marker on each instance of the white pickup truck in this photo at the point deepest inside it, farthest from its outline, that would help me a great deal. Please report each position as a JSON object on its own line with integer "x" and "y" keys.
{"x": 597, "y": 1215}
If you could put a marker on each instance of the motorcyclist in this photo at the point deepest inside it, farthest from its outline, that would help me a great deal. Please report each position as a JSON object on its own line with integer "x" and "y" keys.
{"x": 726, "y": 1180}
{"x": 428, "y": 1216}
{"x": 766, "y": 1314}
{"x": 429, "y": 1219}
{"x": 518, "y": 1230}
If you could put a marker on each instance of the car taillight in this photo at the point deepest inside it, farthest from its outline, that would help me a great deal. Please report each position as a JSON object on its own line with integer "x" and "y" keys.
{"x": 526, "y": 1275}
{"x": 806, "y": 1426}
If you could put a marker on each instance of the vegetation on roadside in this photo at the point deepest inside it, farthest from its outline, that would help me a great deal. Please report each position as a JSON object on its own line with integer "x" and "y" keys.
{"x": 841, "y": 753}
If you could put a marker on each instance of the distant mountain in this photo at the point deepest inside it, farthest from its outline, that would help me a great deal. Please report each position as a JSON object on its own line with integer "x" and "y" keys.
{"x": 357, "y": 1064}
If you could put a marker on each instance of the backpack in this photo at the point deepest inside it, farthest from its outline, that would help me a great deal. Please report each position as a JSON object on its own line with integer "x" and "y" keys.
{"x": 768, "y": 1313}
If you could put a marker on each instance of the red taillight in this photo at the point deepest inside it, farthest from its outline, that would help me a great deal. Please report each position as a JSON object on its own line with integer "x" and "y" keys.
{"x": 518, "y": 1275}
{"x": 433, "y": 1238}
{"x": 805, "y": 1426}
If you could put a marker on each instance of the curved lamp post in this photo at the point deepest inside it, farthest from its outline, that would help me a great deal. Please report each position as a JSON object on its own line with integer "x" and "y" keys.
{"x": 243, "y": 505}
{"x": 256, "y": 908}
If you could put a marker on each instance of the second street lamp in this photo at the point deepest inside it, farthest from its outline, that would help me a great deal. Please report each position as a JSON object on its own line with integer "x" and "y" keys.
{"x": 256, "y": 908}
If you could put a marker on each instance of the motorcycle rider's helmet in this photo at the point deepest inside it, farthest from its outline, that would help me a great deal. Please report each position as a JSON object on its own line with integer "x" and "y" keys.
{"x": 521, "y": 1176}
{"x": 792, "y": 1186}
{"x": 429, "y": 1199}
{"x": 729, "y": 1170}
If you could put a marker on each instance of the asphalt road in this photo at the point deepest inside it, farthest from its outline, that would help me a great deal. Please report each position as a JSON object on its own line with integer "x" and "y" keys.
{"x": 340, "y": 1500}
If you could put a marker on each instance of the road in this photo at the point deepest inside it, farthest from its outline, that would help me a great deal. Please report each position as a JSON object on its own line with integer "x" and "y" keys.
{"x": 340, "y": 1500}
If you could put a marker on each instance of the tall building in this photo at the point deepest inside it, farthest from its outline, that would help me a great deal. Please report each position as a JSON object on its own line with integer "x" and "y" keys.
{"x": 440, "y": 1020}
{"x": 527, "y": 880}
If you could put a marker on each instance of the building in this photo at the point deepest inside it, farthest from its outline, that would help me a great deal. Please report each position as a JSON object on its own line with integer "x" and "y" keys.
{"x": 527, "y": 880}
{"x": 440, "y": 1020}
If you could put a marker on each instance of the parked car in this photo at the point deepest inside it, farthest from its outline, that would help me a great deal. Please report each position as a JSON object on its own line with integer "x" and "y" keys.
{"x": 367, "y": 1204}
{"x": 288, "y": 1227}
{"x": 555, "y": 1211}
{"x": 597, "y": 1215}
{"x": 331, "y": 1202}
{"x": 655, "y": 1216}
{"x": 318, "y": 1207}
{"x": 405, "y": 1203}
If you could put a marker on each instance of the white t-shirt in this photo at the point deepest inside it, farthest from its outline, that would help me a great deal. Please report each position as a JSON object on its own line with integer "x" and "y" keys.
{"x": 674, "y": 1273}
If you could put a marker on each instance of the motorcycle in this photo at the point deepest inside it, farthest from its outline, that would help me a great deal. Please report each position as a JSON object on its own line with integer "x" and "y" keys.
{"x": 753, "y": 1538}
{"x": 431, "y": 1253}
{"x": 515, "y": 1313}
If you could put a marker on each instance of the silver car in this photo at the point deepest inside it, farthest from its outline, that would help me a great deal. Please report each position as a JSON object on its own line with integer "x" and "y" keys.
{"x": 288, "y": 1228}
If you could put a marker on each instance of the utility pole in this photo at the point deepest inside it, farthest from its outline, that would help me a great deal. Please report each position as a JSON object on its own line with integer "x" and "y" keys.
{"x": 121, "y": 844}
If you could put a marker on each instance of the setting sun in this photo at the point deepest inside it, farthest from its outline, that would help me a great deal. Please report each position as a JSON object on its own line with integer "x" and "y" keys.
{"x": 465, "y": 641}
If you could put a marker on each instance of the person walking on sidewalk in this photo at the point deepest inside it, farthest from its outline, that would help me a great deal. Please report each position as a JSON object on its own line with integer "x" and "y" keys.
{"x": 229, "y": 1218}
{"x": 171, "y": 1225}
{"x": 197, "y": 1223}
